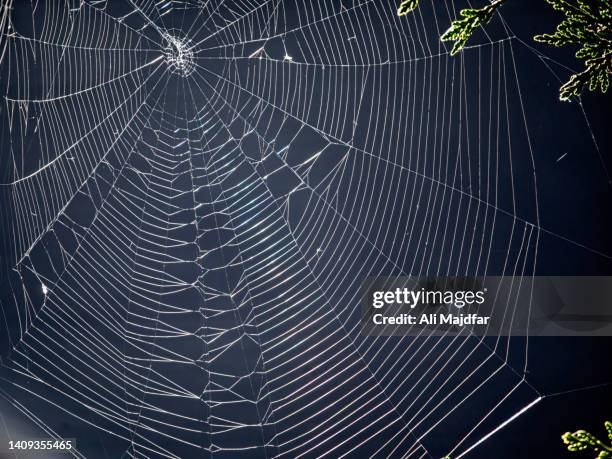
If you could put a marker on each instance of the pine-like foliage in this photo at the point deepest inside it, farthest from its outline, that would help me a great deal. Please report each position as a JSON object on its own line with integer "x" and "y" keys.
{"x": 581, "y": 440}
{"x": 461, "y": 29}
{"x": 407, "y": 6}
{"x": 589, "y": 25}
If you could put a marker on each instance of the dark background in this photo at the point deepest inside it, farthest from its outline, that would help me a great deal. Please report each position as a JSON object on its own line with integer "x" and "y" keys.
{"x": 574, "y": 201}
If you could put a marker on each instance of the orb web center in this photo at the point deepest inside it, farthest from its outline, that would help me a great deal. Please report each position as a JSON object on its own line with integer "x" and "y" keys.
{"x": 179, "y": 55}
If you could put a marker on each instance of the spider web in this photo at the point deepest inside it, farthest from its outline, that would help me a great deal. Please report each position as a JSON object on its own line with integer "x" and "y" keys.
{"x": 195, "y": 191}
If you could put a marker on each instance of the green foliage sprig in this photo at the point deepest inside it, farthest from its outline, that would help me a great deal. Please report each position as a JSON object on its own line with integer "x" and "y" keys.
{"x": 588, "y": 25}
{"x": 582, "y": 440}
{"x": 461, "y": 29}
{"x": 407, "y": 6}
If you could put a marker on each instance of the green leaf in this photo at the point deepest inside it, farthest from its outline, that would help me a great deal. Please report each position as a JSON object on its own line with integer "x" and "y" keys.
{"x": 582, "y": 440}
{"x": 589, "y": 26}
{"x": 461, "y": 30}
{"x": 407, "y": 6}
